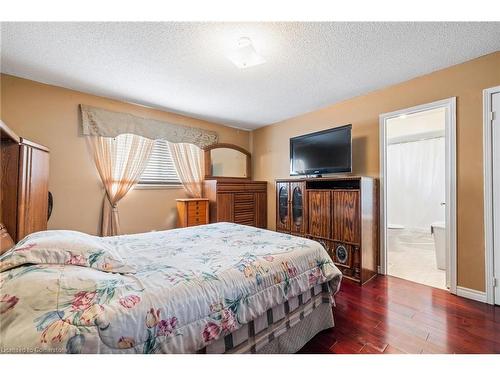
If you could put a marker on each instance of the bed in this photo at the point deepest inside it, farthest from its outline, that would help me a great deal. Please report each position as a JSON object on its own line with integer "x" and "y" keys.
{"x": 217, "y": 288}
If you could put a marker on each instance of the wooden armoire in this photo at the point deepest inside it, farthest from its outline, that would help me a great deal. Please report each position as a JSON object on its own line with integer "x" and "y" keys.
{"x": 24, "y": 182}
{"x": 340, "y": 213}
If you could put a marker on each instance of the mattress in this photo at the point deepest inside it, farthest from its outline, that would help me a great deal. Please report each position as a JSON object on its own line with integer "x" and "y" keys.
{"x": 178, "y": 291}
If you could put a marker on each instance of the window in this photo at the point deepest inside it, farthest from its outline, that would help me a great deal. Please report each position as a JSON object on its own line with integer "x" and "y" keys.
{"x": 160, "y": 169}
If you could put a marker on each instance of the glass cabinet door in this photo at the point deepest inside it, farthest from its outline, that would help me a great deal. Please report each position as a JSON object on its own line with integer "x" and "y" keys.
{"x": 283, "y": 204}
{"x": 297, "y": 206}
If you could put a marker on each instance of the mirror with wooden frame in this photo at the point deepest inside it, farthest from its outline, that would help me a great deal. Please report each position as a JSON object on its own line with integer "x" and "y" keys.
{"x": 224, "y": 160}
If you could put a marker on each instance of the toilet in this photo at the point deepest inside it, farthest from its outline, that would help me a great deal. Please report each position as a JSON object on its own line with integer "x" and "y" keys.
{"x": 438, "y": 230}
{"x": 393, "y": 232}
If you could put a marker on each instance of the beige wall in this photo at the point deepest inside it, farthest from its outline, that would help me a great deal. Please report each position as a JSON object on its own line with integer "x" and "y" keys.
{"x": 465, "y": 81}
{"x": 49, "y": 115}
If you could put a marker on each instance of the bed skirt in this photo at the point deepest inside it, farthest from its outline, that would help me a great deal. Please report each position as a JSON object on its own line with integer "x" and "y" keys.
{"x": 284, "y": 329}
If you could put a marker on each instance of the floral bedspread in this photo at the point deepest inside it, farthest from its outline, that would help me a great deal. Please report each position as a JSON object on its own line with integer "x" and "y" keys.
{"x": 190, "y": 286}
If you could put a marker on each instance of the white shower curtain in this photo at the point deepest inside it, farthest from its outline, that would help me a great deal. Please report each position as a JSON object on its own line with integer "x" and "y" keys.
{"x": 416, "y": 183}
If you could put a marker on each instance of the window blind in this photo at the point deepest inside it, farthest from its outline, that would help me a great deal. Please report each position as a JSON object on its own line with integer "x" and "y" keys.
{"x": 160, "y": 169}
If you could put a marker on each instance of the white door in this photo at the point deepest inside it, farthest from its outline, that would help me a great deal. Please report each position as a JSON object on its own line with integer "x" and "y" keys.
{"x": 495, "y": 108}
{"x": 450, "y": 185}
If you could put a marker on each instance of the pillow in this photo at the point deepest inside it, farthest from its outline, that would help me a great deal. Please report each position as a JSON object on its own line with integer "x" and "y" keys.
{"x": 64, "y": 247}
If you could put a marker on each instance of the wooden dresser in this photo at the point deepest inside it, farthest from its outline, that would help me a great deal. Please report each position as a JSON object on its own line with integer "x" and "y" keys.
{"x": 340, "y": 213}
{"x": 191, "y": 212}
{"x": 24, "y": 185}
{"x": 238, "y": 201}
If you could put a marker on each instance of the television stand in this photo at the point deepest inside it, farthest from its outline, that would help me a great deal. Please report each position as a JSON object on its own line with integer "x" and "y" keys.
{"x": 341, "y": 213}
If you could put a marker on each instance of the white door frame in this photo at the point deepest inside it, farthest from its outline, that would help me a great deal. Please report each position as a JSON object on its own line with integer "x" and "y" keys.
{"x": 451, "y": 184}
{"x": 489, "y": 234}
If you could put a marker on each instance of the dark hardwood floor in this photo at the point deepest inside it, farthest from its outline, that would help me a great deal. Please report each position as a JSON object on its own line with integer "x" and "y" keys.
{"x": 391, "y": 315}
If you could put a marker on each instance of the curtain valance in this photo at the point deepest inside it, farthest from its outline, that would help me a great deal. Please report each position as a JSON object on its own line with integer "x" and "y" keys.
{"x": 104, "y": 123}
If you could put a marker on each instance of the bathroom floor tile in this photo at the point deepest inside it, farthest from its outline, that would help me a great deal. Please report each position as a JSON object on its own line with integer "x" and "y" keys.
{"x": 411, "y": 256}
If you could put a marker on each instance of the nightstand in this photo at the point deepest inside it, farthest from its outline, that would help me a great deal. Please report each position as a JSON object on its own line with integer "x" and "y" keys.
{"x": 192, "y": 211}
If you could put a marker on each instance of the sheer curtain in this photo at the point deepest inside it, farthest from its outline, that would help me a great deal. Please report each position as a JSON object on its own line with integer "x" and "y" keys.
{"x": 416, "y": 183}
{"x": 188, "y": 161}
{"x": 121, "y": 144}
{"x": 120, "y": 162}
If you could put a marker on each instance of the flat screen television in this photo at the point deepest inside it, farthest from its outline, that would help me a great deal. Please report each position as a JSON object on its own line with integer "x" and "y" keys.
{"x": 327, "y": 151}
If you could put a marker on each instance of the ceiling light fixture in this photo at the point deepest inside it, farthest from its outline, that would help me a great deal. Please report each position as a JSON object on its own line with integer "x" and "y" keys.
{"x": 245, "y": 55}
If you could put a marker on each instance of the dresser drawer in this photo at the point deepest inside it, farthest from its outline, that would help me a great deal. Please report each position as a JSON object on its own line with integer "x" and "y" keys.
{"x": 197, "y": 219}
{"x": 197, "y": 209}
{"x": 228, "y": 187}
{"x": 197, "y": 205}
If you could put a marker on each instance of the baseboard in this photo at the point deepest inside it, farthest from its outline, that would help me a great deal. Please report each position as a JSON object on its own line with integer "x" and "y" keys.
{"x": 476, "y": 295}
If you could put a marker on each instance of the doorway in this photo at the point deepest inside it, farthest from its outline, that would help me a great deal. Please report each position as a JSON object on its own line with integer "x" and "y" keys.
{"x": 491, "y": 161}
{"x": 418, "y": 189}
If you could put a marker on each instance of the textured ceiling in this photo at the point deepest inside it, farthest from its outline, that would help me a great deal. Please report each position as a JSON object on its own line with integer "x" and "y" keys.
{"x": 181, "y": 67}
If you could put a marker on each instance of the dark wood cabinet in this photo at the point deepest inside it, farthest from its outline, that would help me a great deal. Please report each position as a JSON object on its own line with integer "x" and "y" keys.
{"x": 319, "y": 218}
{"x": 290, "y": 208}
{"x": 9, "y": 169}
{"x": 33, "y": 189}
{"x": 297, "y": 208}
{"x": 261, "y": 209}
{"x": 224, "y": 208}
{"x": 24, "y": 183}
{"x": 237, "y": 201}
{"x": 283, "y": 207}
{"x": 340, "y": 213}
{"x": 346, "y": 212}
